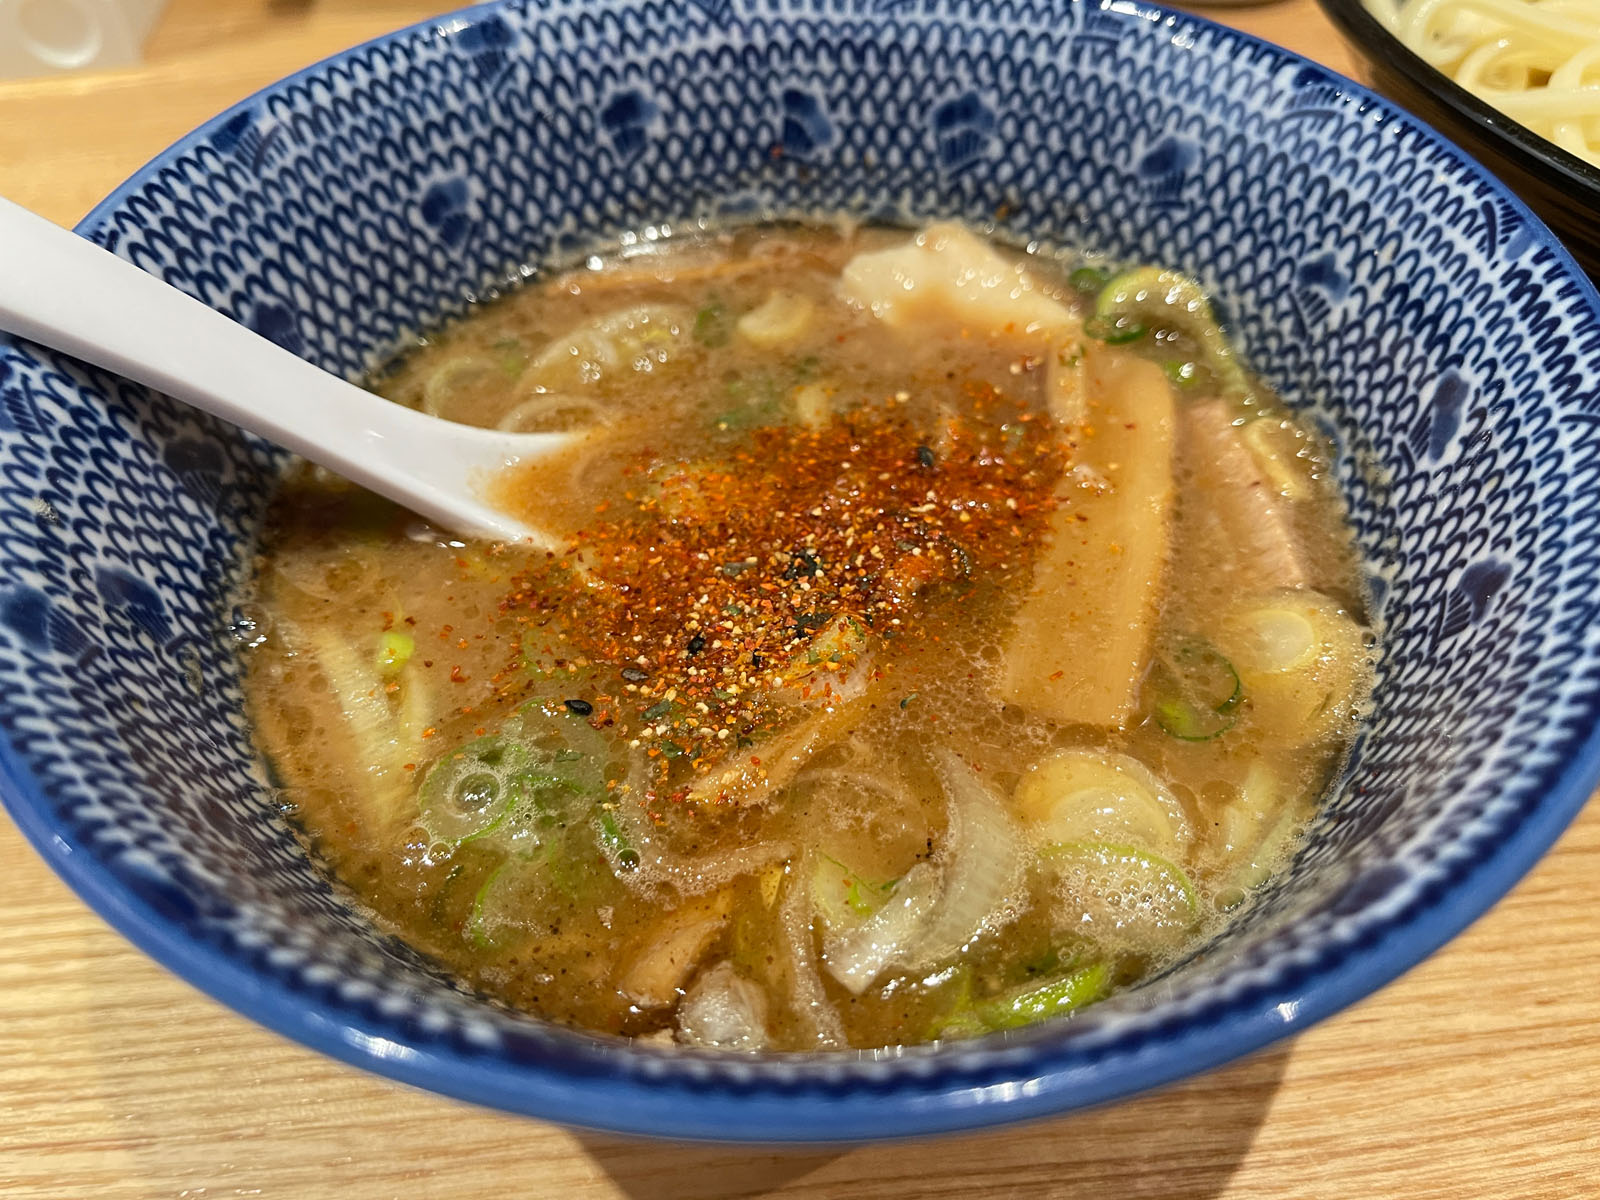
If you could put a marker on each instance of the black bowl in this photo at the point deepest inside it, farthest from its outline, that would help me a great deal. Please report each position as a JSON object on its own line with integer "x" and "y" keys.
{"x": 1562, "y": 188}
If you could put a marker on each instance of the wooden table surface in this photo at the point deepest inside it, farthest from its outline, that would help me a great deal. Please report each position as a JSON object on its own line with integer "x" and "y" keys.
{"x": 1476, "y": 1075}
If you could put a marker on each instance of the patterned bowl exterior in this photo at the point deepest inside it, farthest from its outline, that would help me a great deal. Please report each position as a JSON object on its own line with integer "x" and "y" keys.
{"x": 1383, "y": 282}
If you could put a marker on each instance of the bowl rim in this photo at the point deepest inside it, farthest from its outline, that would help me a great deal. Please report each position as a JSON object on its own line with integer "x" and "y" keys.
{"x": 914, "y": 1104}
{"x": 1532, "y": 153}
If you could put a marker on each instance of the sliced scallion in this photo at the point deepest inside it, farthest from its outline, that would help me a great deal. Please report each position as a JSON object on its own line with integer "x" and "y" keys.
{"x": 394, "y": 651}
{"x": 1128, "y": 870}
{"x": 1037, "y": 1002}
{"x": 1089, "y": 280}
{"x": 1194, "y": 691}
{"x": 1182, "y": 373}
{"x": 1149, "y": 296}
{"x": 616, "y": 842}
{"x": 1115, "y": 330}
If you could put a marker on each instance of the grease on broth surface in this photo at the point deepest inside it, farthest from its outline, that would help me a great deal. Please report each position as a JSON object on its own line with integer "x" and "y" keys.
{"x": 945, "y": 640}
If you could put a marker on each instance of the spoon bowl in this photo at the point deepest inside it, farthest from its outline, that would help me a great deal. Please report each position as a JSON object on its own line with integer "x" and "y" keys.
{"x": 66, "y": 293}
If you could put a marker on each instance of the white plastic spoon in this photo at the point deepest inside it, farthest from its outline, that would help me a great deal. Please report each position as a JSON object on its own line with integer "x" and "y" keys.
{"x": 65, "y": 292}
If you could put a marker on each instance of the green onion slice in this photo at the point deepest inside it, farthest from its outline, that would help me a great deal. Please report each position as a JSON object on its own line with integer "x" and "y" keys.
{"x": 1194, "y": 691}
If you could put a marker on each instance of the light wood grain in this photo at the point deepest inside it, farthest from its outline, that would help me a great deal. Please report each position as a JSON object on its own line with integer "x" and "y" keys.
{"x": 1477, "y": 1075}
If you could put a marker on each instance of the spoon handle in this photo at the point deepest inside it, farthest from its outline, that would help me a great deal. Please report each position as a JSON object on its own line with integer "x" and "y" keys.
{"x": 65, "y": 292}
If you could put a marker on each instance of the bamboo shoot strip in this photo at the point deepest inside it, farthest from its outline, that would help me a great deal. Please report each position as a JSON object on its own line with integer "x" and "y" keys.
{"x": 1081, "y": 638}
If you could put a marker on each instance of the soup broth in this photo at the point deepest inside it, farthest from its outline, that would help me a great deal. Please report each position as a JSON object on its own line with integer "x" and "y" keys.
{"x": 929, "y": 640}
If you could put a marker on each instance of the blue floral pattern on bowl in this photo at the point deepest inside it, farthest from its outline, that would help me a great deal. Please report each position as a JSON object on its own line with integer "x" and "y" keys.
{"x": 1383, "y": 282}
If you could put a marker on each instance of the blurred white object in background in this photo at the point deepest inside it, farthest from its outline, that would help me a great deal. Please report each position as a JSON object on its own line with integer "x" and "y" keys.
{"x": 39, "y": 37}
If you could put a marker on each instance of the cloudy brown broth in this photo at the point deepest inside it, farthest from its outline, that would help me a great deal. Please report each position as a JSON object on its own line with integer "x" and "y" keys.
{"x": 940, "y": 640}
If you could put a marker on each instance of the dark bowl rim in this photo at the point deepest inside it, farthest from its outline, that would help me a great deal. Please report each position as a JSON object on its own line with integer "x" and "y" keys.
{"x": 1534, "y": 154}
{"x": 772, "y": 1112}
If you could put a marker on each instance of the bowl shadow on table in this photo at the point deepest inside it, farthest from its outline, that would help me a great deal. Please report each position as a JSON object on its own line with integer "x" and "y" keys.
{"x": 1185, "y": 1141}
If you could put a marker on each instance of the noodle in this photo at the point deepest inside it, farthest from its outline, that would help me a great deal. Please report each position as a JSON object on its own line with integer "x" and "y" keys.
{"x": 1537, "y": 61}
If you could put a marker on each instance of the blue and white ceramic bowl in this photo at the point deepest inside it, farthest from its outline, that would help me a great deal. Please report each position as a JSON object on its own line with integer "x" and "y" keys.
{"x": 1380, "y": 279}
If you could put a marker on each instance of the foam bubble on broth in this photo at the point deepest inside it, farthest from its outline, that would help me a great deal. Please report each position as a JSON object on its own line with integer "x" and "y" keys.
{"x": 797, "y": 547}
